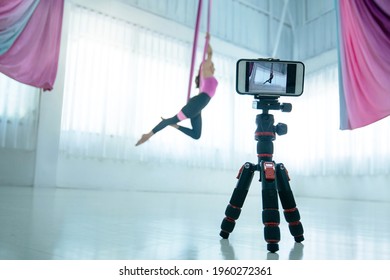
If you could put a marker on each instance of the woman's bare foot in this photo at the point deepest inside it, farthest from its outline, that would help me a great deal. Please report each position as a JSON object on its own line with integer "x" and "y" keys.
{"x": 144, "y": 138}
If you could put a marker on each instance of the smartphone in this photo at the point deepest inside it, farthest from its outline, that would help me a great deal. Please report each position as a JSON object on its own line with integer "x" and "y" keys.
{"x": 267, "y": 77}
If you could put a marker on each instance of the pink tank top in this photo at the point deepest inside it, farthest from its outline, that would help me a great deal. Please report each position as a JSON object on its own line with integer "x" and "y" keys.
{"x": 208, "y": 85}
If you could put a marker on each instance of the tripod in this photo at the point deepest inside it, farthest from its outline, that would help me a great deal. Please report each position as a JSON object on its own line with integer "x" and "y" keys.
{"x": 274, "y": 180}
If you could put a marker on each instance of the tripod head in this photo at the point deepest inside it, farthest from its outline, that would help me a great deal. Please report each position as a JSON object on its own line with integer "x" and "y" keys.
{"x": 265, "y": 121}
{"x": 270, "y": 103}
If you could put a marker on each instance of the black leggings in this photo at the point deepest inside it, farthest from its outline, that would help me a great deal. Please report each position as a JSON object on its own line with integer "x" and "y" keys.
{"x": 191, "y": 110}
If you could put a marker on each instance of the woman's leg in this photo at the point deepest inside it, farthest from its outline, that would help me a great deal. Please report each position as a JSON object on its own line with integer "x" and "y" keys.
{"x": 164, "y": 123}
{"x": 196, "y": 130}
{"x": 191, "y": 110}
{"x": 195, "y": 105}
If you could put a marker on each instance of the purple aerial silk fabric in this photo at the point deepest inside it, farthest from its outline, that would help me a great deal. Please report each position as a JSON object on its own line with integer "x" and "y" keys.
{"x": 33, "y": 56}
{"x": 364, "y": 48}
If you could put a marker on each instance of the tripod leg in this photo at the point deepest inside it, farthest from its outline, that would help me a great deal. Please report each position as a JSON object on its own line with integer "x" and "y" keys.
{"x": 271, "y": 217}
{"x": 240, "y": 192}
{"x": 291, "y": 212}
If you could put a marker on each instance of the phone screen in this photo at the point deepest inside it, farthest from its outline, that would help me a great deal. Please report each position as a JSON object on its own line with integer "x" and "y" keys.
{"x": 274, "y": 78}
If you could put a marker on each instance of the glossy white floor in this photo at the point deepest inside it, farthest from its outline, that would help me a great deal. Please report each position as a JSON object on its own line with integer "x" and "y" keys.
{"x": 76, "y": 224}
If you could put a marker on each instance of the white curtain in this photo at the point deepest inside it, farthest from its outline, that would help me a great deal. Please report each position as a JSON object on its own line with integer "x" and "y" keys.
{"x": 316, "y": 146}
{"x": 19, "y": 105}
{"x": 121, "y": 78}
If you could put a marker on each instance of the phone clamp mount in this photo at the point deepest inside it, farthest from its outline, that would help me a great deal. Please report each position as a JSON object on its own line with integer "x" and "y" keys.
{"x": 274, "y": 179}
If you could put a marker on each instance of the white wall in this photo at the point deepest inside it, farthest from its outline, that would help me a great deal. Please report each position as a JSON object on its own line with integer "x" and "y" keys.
{"x": 93, "y": 174}
{"x": 17, "y": 168}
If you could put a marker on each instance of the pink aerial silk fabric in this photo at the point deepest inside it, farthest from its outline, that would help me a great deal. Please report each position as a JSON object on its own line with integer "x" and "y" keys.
{"x": 195, "y": 43}
{"x": 364, "y": 51}
{"x": 33, "y": 57}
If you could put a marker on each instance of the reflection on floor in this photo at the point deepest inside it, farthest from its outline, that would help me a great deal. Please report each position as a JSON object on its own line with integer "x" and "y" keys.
{"x": 76, "y": 224}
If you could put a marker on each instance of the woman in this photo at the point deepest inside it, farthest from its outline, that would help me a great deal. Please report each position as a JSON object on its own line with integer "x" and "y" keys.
{"x": 207, "y": 84}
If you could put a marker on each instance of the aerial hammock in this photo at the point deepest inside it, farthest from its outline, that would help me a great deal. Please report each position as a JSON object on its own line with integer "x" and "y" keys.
{"x": 206, "y": 82}
{"x": 195, "y": 43}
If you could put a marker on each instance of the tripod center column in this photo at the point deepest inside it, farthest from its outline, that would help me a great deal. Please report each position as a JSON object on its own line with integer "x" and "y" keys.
{"x": 264, "y": 135}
